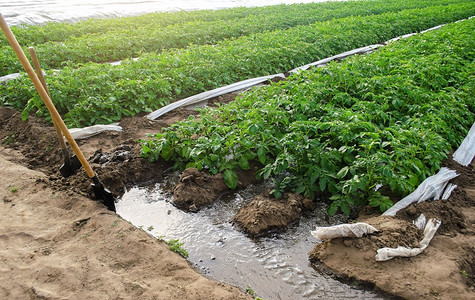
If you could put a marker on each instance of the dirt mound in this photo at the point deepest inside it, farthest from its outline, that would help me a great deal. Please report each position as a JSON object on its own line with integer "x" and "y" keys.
{"x": 443, "y": 271}
{"x": 196, "y": 189}
{"x": 36, "y": 139}
{"x": 391, "y": 233}
{"x": 265, "y": 212}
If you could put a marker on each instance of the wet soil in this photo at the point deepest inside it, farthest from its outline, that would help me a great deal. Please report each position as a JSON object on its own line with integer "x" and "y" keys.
{"x": 196, "y": 189}
{"x": 56, "y": 243}
{"x": 265, "y": 212}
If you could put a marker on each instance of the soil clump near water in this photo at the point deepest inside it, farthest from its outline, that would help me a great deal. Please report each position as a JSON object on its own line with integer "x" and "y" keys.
{"x": 265, "y": 212}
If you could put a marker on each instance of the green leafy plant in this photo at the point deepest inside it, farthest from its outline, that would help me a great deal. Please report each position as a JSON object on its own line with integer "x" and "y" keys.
{"x": 175, "y": 245}
{"x": 101, "y": 93}
{"x": 382, "y": 120}
{"x": 80, "y": 43}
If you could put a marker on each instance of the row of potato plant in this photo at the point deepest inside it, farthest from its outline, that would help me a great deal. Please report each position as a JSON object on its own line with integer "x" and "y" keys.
{"x": 104, "y": 93}
{"x": 385, "y": 119}
{"x": 135, "y": 40}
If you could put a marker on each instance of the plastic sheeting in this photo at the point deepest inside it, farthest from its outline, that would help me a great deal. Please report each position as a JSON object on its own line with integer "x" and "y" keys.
{"x": 86, "y": 132}
{"x": 323, "y": 62}
{"x": 343, "y": 230}
{"x": 466, "y": 152}
{"x": 448, "y": 191}
{"x": 420, "y": 222}
{"x": 9, "y": 77}
{"x": 385, "y": 254}
{"x": 211, "y": 94}
{"x": 431, "y": 188}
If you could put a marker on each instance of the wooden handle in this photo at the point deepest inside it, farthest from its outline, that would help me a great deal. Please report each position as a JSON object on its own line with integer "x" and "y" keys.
{"x": 39, "y": 73}
{"x": 44, "y": 95}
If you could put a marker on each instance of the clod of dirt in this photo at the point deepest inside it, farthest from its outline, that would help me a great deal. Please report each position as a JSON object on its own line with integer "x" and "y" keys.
{"x": 391, "y": 233}
{"x": 264, "y": 212}
{"x": 120, "y": 154}
{"x": 196, "y": 189}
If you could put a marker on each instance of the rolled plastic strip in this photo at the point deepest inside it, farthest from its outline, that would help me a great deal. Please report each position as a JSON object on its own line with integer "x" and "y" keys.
{"x": 343, "y": 230}
{"x": 385, "y": 254}
{"x": 9, "y": 77}
{"x": 430, "y": 188}
{"x": 466, "y": 152}
{"x": 400, "y": 37}
{"x": 448, "y": 191}
{"x": 86, "y": 132}
{"x": 340, "y": 56}
{"x": 211, "y": 94}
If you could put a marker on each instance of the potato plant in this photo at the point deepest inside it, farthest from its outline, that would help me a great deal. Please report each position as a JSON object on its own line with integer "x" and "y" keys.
{"x": 385, "y": 119}
{"x": 102, "y": 93}
{"x": 135, "y": 36}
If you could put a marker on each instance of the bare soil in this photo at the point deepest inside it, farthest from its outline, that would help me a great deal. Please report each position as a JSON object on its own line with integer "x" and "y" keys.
{"x": 57, "y": 243}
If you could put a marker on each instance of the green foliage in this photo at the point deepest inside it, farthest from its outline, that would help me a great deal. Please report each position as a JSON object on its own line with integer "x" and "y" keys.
{"x": 250, "y": 291}
{"x": 387, "y": 119}
{"x": 176, "y": 247}
{"x": 95, "y": 93}
{"x": 100, "y": 41}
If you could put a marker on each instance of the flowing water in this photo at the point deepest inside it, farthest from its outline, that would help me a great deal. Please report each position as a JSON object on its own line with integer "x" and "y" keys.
{"x": 275, "y": 266}
{"x": 41, "y": 11}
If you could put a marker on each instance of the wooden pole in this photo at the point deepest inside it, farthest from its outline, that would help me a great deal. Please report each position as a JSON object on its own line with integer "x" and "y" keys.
{"x": 44, "y": 95}
{"x": 39, "y": 73}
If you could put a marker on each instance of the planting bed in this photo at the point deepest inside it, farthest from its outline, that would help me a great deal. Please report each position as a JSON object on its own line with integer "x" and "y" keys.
{"x": 104, "y": 93}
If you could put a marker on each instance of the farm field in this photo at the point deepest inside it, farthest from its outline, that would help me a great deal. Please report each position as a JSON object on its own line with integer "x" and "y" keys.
{"x": 113, "y": 40}
{"x": 103, "y": 93}
{"x": 352, "y": 137}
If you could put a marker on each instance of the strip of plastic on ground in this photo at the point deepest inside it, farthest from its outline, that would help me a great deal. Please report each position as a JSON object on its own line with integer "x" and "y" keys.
{"x": 241, "y": 85}
{"x": 385, "y": 254}
{"x": 465, "y": 153}
{"x": 342, "y": 230}
{"x": 86, "y": 132}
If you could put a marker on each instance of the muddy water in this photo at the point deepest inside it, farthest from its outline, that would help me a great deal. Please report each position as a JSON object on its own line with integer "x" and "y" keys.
{"x": 41, "y": 11}
{"x": 275, "y": 267}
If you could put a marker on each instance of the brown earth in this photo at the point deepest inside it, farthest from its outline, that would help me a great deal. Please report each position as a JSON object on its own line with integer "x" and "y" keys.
{"x": 57, "y": 243}
{"x": 445, "y": 270}
{"x": 265, "y": 212}
{"x": 196, "y": 189}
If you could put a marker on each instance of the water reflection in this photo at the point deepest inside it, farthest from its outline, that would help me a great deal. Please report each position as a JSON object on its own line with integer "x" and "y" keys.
{"x": 275, "y": 267}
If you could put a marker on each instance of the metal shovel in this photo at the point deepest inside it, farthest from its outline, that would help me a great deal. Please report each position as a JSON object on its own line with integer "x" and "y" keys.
{"x": 99, "y": 190}
{"x": 71, "y": 163}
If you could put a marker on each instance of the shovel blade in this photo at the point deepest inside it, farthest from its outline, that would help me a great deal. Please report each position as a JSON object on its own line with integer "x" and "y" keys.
{"x": 70, "y": 166}
{"x": 103, "y": 194}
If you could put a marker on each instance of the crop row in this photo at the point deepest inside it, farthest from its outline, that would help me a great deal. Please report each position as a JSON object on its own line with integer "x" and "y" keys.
{"x": 386, "y": 120}
{"x": 132, "y": 41}
{"x": 55, "y": 31}
{"x": 104, "y": 93}
{"x": 30, "y": 35}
